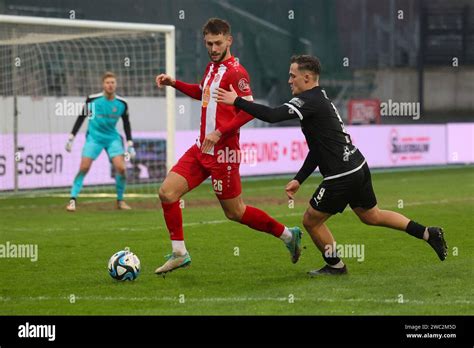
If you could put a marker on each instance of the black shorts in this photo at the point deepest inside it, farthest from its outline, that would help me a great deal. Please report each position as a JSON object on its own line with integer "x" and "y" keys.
{"x": 355, "y": 189}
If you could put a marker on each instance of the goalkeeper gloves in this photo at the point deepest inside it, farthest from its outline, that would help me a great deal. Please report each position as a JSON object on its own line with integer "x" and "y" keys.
{"x": 69, "y": 143}
{"x": 130, "y": 149}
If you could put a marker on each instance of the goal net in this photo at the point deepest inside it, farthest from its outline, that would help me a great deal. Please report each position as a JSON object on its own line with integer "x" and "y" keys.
{"x": 48, "y": 67}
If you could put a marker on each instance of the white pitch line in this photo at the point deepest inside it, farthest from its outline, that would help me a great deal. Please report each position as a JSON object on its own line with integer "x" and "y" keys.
{"x": 106, "y": 195}
{"x": 231, "y": 299}
{"x": 441, "y": 201}
{"x": 127, "y": 195}
{"x": 223, "y": 221}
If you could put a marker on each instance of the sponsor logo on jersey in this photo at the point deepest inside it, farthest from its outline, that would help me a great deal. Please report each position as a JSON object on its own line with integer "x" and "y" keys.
{"x": 347, "y": 153}
{"x": 206, "y": 94}
{"x": 217, "y": 78}
{"x": 244, "y": 85}
{"x": 297, "y": 102}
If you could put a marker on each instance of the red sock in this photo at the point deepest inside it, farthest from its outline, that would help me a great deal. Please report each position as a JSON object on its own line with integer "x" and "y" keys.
{"x": 261, "y": 221}
{"x": 174, "y": 220}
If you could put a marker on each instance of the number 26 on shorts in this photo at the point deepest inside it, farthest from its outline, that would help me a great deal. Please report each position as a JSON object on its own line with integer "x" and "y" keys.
{"x": 217, "y": 185}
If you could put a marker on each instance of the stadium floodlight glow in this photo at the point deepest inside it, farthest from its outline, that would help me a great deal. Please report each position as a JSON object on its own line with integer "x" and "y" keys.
{"x": 46, "y": 47}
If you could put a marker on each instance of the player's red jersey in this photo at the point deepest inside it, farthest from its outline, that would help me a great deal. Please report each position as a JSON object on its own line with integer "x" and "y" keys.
{"x": 196, "y": 166}
{"x": 215, "y": 115}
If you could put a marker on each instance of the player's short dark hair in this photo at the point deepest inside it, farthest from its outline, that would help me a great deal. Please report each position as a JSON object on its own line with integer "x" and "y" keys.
{"x": 216, "y": 26}
{"x": 307, "y": 62}
{"x": 108, "y": 74}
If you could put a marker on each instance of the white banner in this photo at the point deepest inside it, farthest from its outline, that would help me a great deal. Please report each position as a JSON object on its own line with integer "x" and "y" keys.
{"x": 399, "y": 146}
{"x": 460, "y": 142}
{"x": 43, "y": 162}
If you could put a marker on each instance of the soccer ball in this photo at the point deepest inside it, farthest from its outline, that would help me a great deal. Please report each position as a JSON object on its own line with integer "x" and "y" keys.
{"x": 124, "y": 265}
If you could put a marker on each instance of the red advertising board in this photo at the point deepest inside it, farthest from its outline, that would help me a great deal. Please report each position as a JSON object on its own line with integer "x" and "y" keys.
{"x": 364, "y": 111}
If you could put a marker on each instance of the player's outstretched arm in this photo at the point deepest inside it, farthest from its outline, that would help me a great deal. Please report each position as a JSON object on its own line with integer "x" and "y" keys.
{"x": 259, "y": 111}
{"x": 163, "y": 80}
{"x": 230, "y": 127}
{"x": 77, "y": 125}
{"x": 191, "y": 90}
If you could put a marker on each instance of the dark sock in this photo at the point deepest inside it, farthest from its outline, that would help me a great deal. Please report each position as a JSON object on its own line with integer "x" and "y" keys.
{"x": 331, "y": 260}
{"x": 415, "y": 229}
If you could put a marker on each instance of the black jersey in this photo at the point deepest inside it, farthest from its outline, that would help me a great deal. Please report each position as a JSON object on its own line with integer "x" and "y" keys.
{"x": 330, "y": 146}
{"x": 329, "y": 143}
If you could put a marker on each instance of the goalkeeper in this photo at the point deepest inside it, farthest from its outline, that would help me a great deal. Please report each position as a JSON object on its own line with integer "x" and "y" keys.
{"x": 103, "y": 110}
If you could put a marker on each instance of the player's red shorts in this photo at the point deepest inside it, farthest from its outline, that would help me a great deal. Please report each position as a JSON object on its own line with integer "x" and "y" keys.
{"x": 196, "y": 167}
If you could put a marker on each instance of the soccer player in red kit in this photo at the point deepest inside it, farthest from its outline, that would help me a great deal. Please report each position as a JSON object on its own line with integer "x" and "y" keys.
{"x": 219, "y": 134}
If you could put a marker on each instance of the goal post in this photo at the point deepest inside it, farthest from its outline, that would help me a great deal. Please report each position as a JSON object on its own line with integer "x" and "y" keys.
{"x": 43, "y": 59}
{"x": 170, "y": 98}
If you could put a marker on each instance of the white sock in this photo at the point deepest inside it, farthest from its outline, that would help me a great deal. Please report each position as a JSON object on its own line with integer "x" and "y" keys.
{"x": 178, "y": 247}
{"x": 286, "y": 236}
{"x": 340, "y": 264}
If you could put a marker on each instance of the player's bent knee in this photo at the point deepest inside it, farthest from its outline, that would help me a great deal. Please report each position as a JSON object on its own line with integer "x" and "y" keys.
{"x": 167, "y": 196}
{"x": 85, "y": 165}
{"x": 234, "y": 215}
{"x": 308, "y": 221}
{"x": 313, "y": 218}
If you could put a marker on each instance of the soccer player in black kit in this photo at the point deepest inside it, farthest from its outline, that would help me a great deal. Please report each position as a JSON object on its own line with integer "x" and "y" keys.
{"x": 346, "y": 175}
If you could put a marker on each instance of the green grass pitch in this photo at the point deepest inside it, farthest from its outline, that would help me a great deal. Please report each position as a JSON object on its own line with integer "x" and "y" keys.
{"x": 400, "y": 275}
